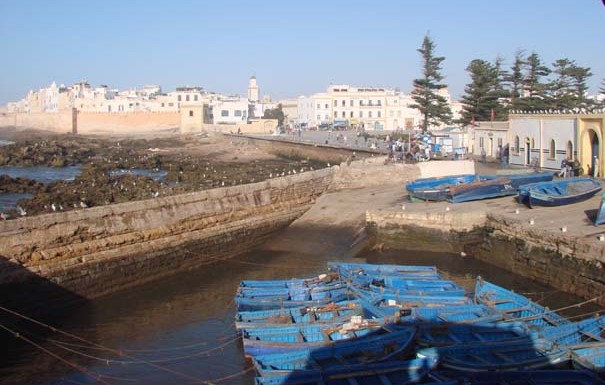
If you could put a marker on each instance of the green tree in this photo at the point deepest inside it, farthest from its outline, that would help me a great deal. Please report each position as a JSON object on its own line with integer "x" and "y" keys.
{"x": 515, "y": 80}
{"x": 602, "y": 93}
{"x": 433, "y": 107}
{"x": 535, "y": 88}
{"x": 568, "y": 89}
{"x": 275, "y": 113}
{"x": 482, "y": 93}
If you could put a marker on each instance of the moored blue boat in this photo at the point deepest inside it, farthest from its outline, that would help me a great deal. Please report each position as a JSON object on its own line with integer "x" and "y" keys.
{"x": 558, "y": 192}
{"x": 529, "y": 353}
{"x": 444, "y": 334}
{"x": 268, "y": 303}
{"x": 415, "y": 287}
{"x": 383, "y": 373}
{"x": 518, "y": 180}
{"x": 516, "y": 307}
{"x": 436, "y": 189}
{"x": 523, "y": 377}
{"x": 364, "y": 350}
{"x": 589, "y": 356}
{"x": 283, "y": 339}
{"x": 482, "y": 189}
{"x": 600, "y": 218}
{"x": 347, "y": 270}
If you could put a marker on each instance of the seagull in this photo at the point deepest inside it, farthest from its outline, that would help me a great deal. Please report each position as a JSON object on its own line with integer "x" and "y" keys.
{"x": 83, "y": 205}
{"x": 3, "y": 216}
{"x": 60, "y": 207}
{"x": 21, "y": 211}
{"x": 302, "y": 169}
{"x": 328, "y": 164}
{"x": 270, "y": 175}
{"x": 52, "y": 206}
{"x": 222, "y": 183}
{"x": 156, "y": 194}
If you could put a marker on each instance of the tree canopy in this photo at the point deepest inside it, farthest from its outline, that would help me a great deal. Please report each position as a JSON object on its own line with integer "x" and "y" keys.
{"x": 275, "y": 113}
{"x": 434, "y": 107}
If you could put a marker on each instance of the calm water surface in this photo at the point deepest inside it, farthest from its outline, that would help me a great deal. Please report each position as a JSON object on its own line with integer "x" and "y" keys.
{"x": 184, "y": 324}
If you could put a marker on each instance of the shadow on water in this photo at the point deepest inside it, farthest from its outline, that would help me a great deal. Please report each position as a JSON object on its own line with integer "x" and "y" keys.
{"x": 366, "y": 361}
{"x": 26, "y": 295}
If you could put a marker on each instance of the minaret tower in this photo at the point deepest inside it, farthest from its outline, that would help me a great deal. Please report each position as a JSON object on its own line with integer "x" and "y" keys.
{"x": 253, "y": 90}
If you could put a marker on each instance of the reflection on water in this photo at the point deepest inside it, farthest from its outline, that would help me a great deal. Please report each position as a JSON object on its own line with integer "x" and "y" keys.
{"x": 9, "y": 200}
{"x": 184, "y": 323}
{"x": 155, "y": 175}
{"x": 6, "y": 142}
{"x": 41, "y": 173}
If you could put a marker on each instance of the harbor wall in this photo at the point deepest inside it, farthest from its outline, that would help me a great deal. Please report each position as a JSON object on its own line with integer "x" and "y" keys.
{"x": 570, "y": 263}
{"x": 99, "y": 250}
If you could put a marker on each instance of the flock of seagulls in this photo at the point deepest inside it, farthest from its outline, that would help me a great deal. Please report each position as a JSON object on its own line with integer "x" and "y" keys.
{"x": 556, "y": 112}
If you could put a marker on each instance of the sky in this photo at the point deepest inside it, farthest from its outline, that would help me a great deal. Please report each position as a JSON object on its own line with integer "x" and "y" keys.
{"x": 293, "y": 47}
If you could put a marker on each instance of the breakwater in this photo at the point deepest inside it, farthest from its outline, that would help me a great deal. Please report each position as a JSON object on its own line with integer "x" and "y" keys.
{"x": 92, "y": 252}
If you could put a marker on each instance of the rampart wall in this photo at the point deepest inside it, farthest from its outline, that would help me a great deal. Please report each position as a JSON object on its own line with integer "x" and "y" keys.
{"x": 95, "y": 251}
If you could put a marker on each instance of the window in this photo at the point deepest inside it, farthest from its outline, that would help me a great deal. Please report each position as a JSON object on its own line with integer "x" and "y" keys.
{"x": 237, "y": 113}
{"x": 326, "y": 106}
{"x": 186, "y": 98}
{"x": 318, "y": 117}
{"x": 361, "y": 114}
{"x": 516, "y": 149}
{"x": 370, "y": 104}
{"x": 399, "y": 114}
{"x": 195, "y": 97}
{"x": 481, "y": 142}
{"x": 391, "y": 113}
{"x": 318, "y": 106}
{"x": 552, "y": 149}
{"x": 224, "y": 112}
{"x": 190, "y": 113}
{"x": 344, "y": 114}
{"x": 179, "y": 98}
{"x": 326, "y": 117}
{"x": 162, "y": 104}
{"x": 335, "y": 114}
{"x": 170, "y": 104}
{"x": 379, "y": 114}
{"x": 335, "y": 103}
{"x": 351, "y": 114}
{"x": 351, "y": 102}
{"x": 343, "y": 103}
{"x": 379, "y": 102}
{"x": 499, "y": 142}
{"x": 569, "y": 150}
{"x": 369, "y": 114}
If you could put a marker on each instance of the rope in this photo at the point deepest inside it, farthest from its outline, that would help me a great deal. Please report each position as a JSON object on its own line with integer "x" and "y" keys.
{"x": 138, "y": 362}
{"x": 118, "y": 352}
{"x": 67, "y": 362}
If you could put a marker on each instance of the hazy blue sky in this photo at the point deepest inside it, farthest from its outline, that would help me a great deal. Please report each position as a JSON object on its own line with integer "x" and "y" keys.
{"x": 295, "y": 47}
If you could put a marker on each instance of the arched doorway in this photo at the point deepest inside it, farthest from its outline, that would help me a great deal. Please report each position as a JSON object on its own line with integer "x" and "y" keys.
{"x": 569, "y": 151}
{"x": 594, "y": 152}
{"x": 527, "y": 151}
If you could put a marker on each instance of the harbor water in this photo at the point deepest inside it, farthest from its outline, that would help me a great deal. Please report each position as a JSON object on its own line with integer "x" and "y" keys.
{"x": 179, "y": 330}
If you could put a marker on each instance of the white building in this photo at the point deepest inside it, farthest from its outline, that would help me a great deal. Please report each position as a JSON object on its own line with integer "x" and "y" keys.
{"x": 230, "y": 110}
{"x": 490, "y": 138}
{"x": 369, "y": 108}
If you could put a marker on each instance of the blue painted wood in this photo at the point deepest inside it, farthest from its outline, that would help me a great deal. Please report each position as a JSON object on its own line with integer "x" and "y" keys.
{"x": 524, "y": 377}
{"x": 483, "y": 189}
{"x": 558, "y": 192}
{"x": 436, "y": 189}
{"x": 600, "y": 219}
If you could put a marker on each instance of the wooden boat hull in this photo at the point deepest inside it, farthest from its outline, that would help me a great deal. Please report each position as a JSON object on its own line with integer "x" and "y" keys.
{"x": 436, "y": 189}
{"x": 364, "y": 350}
{"x": 600, "y": 219}
{"x": 481, "y": 190}
{"x": 558, "y": 193}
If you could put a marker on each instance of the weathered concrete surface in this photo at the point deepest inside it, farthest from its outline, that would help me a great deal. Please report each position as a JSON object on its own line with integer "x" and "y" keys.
{"x": 103, "y": 249}
{"x": 498, "y": 231}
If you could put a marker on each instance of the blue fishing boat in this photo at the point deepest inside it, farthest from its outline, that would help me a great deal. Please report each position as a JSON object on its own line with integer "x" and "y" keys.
{"x": 296, "y": 315}
{"x": 530, "y": 353}
{"x": 283, "y": 339}
{"x": 523, "y": 377}
{"x": 436, "y": 189}
{"x": 516, "y": 307}
{"x": 383, "y": 373}
{"x": 589, "y": 356}
{"x": 600, "y": 219}
{"x": 518, "y": 180}
{"x": 444, "y": 334}
{"x": 482, "y": 189}
{"x": 396, "y": 305}
{"x": 269, "y": 303}
{"x": 415, "y": 287}
{"x": 364, "y": 350}
{"x": 559, "y": 192}
{"x": 293, "y": 293}
{"x": 292, "y": 283}
{"x": 347, "y": 270}
{"x": 590, "y": 330}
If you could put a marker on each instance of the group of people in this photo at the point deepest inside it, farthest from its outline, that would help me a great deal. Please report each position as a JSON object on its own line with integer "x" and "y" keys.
{"x": 570, "y": 168}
